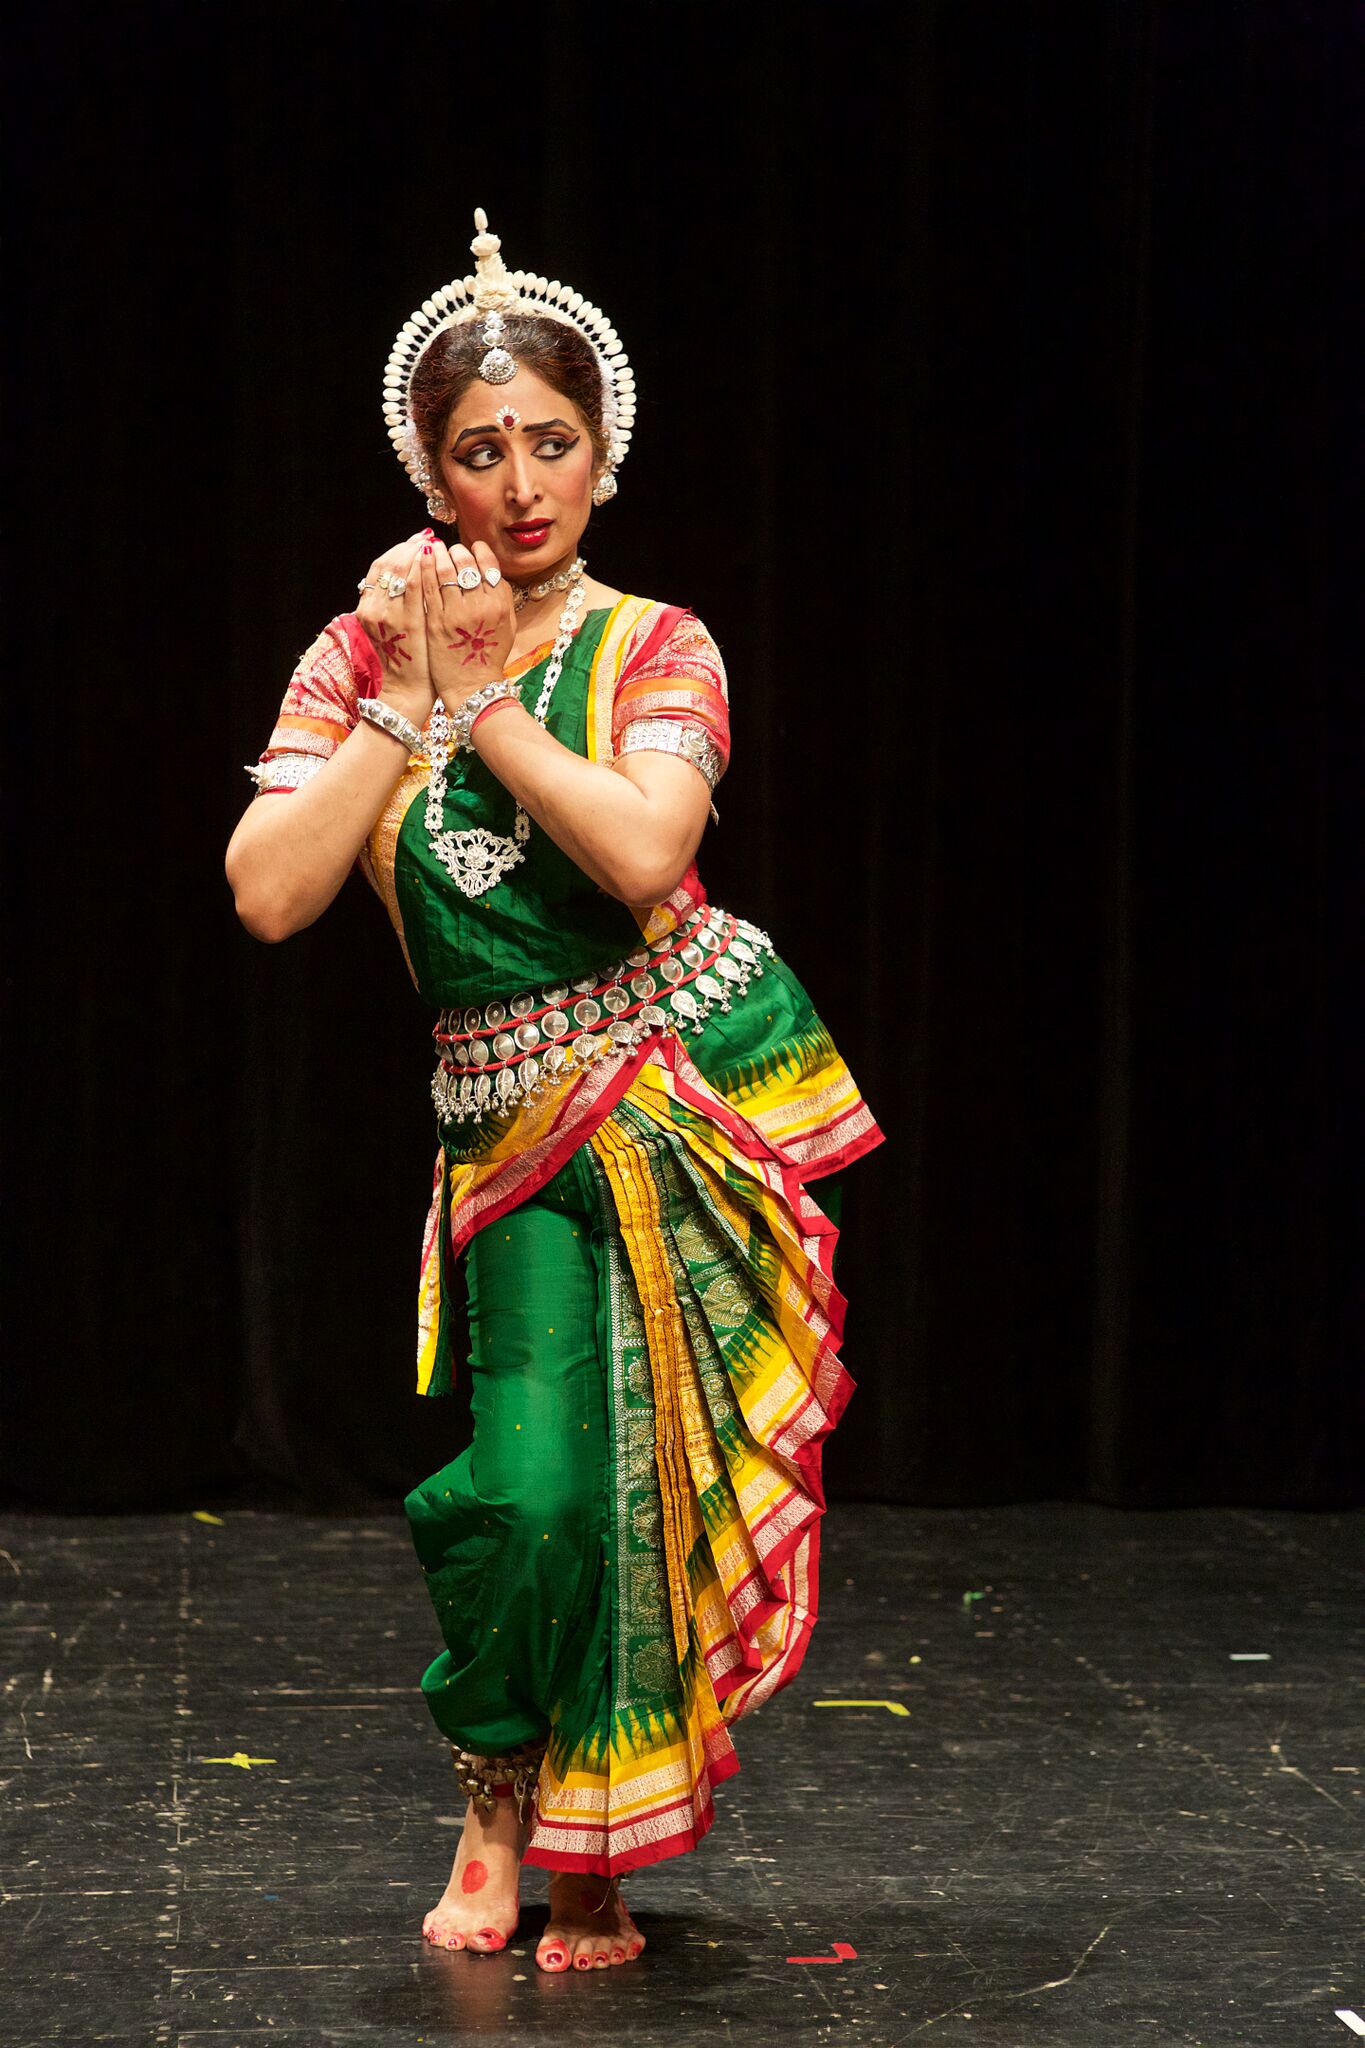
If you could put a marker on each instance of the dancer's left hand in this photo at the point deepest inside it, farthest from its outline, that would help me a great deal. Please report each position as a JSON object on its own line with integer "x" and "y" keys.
{"x": 469, "y": 632}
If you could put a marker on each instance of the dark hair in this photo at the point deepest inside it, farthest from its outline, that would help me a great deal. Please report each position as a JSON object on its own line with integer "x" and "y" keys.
{"x": 561, "y": 355}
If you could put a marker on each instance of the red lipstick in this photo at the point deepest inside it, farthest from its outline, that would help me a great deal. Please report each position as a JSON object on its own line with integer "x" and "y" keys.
{"x": 531, "y": 532}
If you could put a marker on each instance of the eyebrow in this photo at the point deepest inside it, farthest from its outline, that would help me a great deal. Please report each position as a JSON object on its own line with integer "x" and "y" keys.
{"x": 531, "y": 427}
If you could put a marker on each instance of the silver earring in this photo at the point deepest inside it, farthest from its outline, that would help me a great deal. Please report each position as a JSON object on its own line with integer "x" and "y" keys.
{"x": 604, "y": 489}
{"x": 437, "y": 507}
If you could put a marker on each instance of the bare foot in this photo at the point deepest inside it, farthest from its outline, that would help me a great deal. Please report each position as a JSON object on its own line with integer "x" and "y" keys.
{"x": 479, "y": 1907}
{"x": 589, "y": 1926}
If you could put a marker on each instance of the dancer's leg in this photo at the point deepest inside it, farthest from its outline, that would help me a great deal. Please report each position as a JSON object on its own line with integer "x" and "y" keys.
{"x": 510, "y": 1534}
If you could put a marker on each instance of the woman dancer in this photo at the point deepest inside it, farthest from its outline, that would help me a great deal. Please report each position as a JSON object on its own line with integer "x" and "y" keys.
{"x": 633, "y": 1095}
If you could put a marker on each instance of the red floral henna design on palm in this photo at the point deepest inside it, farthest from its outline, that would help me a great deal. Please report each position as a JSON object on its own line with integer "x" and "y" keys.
{"x": 475, "y": 1877}
{"x": 478, "y": 641}
{"x": 389, "y": 645}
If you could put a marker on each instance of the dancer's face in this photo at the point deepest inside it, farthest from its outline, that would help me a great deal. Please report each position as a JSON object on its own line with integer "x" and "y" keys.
{"x": 499, "y": 472}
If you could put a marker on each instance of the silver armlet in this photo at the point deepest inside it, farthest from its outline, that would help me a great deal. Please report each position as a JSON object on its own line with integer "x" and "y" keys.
{"x": 284, "y": 771}
{"x": 377, "y": 712}
{"x": 674, "y": 736}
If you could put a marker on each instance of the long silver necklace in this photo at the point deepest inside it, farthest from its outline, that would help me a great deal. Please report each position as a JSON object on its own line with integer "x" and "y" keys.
{"x": 477, "y": 859}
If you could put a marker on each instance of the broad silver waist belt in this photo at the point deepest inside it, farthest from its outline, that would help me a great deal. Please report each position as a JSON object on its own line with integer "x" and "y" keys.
{"x": 496, "y": 1057}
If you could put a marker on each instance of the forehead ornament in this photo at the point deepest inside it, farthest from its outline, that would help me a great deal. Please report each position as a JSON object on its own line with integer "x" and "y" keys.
{"x": 508, "y": 417}
{"x": 491, "y": 295}
{"x": 497, "y": 366}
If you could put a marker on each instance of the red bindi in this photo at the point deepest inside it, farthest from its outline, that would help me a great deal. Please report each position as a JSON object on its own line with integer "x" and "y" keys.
{"x": 475, "y": 1877}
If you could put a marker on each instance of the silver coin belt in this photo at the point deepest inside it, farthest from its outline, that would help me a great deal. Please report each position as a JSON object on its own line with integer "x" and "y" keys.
{"x": 494, "y": 1058}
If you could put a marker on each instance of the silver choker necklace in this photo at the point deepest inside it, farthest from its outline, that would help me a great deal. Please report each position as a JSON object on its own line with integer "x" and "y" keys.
{"x": 561, "y": 581}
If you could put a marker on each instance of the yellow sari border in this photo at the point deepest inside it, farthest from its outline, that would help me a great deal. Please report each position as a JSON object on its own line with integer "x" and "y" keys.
{"x": 606, "y": 667}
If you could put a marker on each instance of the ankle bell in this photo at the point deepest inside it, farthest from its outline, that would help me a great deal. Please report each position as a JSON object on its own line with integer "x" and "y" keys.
{"x": 486, "y": 1779}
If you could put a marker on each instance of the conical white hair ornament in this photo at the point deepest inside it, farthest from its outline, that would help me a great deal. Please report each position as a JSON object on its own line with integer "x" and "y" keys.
{"x": 492, "y": 293}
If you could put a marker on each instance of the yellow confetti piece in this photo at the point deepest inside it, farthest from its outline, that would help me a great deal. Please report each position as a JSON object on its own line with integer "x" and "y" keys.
{"x": 203, "y": 1515}
{"x": 892, "y": 1706}
{"x": 240, "y": 1758}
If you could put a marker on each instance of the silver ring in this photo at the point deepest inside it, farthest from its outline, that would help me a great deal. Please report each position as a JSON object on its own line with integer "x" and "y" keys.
{"x": 363, "y": 585}
{"x": 391, "y": 585}
{"x": 448, "y": 582}
{"x": 469, "y": 578}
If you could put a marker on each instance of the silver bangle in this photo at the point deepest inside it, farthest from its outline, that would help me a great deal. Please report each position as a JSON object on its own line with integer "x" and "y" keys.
{"x": 392, "y": 722}
{"x": 461, "y": 725}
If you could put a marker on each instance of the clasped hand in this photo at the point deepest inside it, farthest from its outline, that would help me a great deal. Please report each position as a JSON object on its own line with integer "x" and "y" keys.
{"x": 435, "y": 639}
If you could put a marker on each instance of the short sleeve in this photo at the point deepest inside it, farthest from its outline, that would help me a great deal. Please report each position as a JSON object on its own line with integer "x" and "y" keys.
{"x": 320, "y": 706}
{"x": 672, "y": 696}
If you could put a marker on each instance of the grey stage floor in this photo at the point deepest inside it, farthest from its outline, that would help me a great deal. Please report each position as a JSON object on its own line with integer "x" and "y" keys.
{"x": 1123, "y": 1803}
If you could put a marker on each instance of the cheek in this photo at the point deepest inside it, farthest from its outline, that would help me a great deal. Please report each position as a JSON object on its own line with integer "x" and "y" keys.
{"x": 472, "y": 494}
{"x": 582, "y": 458}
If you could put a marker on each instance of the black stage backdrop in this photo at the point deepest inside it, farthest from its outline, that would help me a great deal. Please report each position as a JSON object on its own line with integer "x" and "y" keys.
{"x": 999, "y": 371}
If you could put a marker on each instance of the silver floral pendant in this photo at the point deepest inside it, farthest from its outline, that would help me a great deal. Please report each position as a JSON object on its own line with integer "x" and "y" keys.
{"x": 476, "y": 860}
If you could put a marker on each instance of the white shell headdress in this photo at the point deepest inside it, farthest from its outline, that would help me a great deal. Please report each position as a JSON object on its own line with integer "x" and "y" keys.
{"x": 493, "y": 293}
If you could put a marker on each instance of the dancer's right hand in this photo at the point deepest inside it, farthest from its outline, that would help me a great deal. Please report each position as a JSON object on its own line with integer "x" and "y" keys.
{"x": 396, "y": 628}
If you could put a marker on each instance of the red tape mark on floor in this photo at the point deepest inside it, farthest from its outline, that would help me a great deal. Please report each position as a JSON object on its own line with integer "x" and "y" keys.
{"x": 844, "y": 1952}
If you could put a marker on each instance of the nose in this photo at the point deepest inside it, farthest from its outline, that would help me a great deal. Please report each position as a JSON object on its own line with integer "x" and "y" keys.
{"x": 522, "y": 490}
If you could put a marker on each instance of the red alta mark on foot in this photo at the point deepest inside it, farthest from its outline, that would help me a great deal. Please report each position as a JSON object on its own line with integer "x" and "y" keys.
{"x": 475, "y": 1877}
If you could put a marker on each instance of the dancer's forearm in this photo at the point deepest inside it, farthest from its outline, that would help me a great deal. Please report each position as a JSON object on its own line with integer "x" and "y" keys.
{"x": 634, "y": 827}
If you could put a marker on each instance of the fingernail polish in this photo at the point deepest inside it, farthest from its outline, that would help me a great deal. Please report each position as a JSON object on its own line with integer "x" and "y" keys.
{"x": 426, "y": 551}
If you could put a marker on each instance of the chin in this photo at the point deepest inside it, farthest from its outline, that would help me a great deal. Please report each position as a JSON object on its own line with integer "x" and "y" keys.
{"x": 536, "y": 561}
